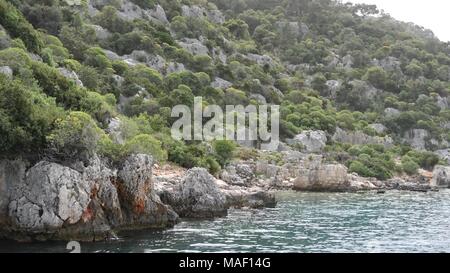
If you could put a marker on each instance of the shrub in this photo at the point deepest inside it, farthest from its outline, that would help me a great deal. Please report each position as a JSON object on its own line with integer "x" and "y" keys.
{"x": 26, "y": 117}
{"x": 145, "y": 144}
{"x": 18, "y": 27}
{"x": 75, "y": 136}
{"x": 409, "y": 166}
{"x": 224, "y": 151}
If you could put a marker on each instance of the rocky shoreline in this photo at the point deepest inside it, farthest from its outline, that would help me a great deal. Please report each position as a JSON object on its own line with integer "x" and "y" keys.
{"x": 54, "y": 201}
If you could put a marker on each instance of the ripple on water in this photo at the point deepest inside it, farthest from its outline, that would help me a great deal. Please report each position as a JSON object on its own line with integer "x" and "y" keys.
{"x": 301, "y": 222}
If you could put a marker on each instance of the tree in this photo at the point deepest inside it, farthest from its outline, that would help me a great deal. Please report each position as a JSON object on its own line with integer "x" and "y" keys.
{"x": 376, "y": 76}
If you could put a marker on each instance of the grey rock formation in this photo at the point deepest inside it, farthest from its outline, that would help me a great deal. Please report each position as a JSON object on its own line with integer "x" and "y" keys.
{"x": 391, "y": 112}
{"x": 417, "y": 138}
{"x": 70, "y": 75}
{"x": 198, "y": 196}
{"x": 333, "y": 87}
{"x": 173, "y": 67}
{"x": 194, "y": 46}
{"x": 390, "y": 64}
{"x": 360, "y": 138}
{"x": 221, "y": 83}
{"x": 261, "y": 59}
{"x": 238, "y": 174}
{"x": 441, "y": 177}
{"x": 443, "y": 154}
{"x": 143, "y": 208}
{"x": 100, "y": 32}
{"x": 328, "y": 177}
{"x": 195, "y": 11}
{"x": 310, "y": 141}
{"x": 7, "y": 71}
{"x": 51, "y": 195}
{"x": 55, "y": 202}
{"x": 378, "y": 127}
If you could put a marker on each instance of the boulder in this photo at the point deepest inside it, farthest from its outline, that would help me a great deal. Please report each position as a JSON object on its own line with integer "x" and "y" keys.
{"x": 198, "y": 196}
{"x": 238, "y": 174}
{"x": 310, "y": 141}
{"x": 441, "y": 177}
{"x": 256, "y": 199}
{"x": 391, "y": 112}
{"x": 173, "y": 67}
{"x": 195, "y": 11}
{"x": 327, "y": 177}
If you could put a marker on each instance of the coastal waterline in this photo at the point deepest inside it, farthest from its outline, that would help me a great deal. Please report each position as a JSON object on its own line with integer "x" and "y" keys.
{"x": 302, "y": 222}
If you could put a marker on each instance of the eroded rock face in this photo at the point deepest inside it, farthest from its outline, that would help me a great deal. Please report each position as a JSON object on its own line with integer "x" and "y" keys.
{"x": 327, "y": 177}
{"x": 441, "y": 177}
{"x": 417, "y": 138}
{"x": 49, "y": 196}
{"x": 142, "y": 206}
{"x": 55, "y": 202}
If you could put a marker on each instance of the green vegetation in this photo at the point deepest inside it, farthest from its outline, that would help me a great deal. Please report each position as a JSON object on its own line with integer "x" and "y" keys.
{"x": 327, "y": 64}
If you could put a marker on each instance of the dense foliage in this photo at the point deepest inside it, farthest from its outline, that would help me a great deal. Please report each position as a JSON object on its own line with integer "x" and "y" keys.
{"x": 327, "y": 64}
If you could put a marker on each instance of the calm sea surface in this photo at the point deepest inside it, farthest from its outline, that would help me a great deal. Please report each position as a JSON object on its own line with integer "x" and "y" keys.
{"x": 301, "y": 222}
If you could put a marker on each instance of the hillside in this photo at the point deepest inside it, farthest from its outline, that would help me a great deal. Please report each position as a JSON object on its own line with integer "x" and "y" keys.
{"x": 85, "y": 77}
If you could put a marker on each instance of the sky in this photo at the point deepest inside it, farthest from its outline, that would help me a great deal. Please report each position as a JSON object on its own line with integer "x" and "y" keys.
{"x": 431, "y": 14}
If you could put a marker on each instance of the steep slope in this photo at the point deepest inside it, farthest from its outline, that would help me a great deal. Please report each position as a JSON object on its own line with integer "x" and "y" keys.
{"x": 101, "y": 76}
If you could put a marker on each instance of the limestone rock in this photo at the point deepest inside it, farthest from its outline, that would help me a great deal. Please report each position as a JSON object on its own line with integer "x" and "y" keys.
{"x": 328, "y": 177}
{"x": 194, "y": 46}
{"x": 310, "y": 141}
{"x": 360, "y": 138}
{"x": 70, "y": 75}
{"x": 441, "y": 177}
{"x": 417, "y": 138}
{"x": 221, "y": 83}
{"x": 143, "y": 208}
{"x": 198, "y": 196}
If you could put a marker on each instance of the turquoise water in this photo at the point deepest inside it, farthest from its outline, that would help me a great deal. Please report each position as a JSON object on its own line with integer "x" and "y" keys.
{"x": 301, "y": 222}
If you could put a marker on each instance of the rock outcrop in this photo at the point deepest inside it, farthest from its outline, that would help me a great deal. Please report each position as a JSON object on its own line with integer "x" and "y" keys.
{"x": 310, "y": 141}
{"x": 360, "y": 138}
{"x": 441, "y": 177}
{"x": 197, "y": 196}
{"x": 328, "y": 177}
{"x": 50, "y": 201}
